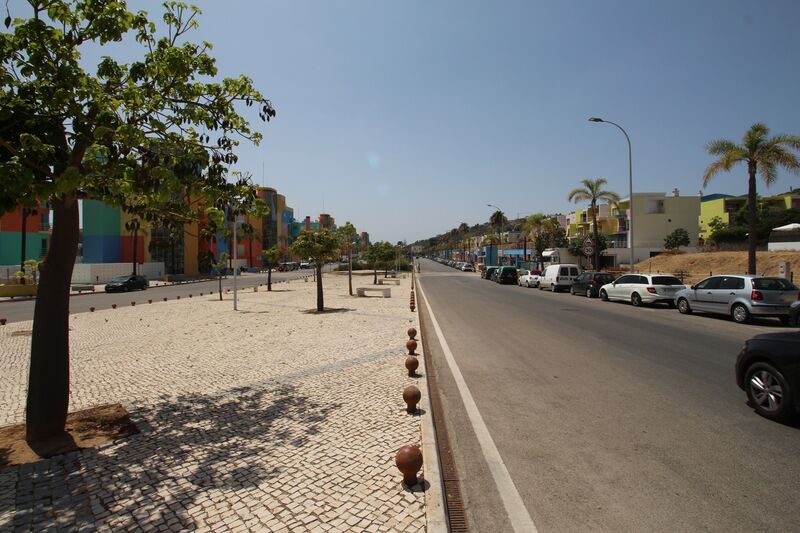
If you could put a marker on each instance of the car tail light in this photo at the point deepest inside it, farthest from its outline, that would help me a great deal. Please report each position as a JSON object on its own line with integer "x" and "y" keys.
{"x": 594, "y": 282}
{"x": 651, "y": 290}
{"x": 756, "y": 295}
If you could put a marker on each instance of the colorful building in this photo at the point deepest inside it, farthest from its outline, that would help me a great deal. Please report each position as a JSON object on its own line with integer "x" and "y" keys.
{"x": 36, "y": 223}
{"x": 725, "y": 206}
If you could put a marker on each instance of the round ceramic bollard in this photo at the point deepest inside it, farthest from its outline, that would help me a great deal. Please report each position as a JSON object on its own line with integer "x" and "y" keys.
{"x": 411, "y": 345}
{"x": 412, "y": 333}
{"x": 411, "y": 365}
{"x": 133, "y": 303}
{"x": 113, "y": 306}
{"x": 409, "y": 460}
{"x": 91, "y": 309}
{"x": 412, "y": 396}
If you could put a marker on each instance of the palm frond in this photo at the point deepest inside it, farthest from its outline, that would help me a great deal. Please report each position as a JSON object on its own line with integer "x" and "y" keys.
{"x": 755, "y": 137}
{"x": 778, "y": 155}
{"x": 724, "y": 163}
{"x": 768, "y": 172}
{"x": 579, "y": 195}
{"x": 791, "y": 141}
{"x": 721, "y": 146}
{"x": 609, "y": 196}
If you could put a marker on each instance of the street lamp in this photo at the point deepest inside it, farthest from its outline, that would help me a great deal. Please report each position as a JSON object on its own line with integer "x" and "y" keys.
{"x": 630, "y": 181}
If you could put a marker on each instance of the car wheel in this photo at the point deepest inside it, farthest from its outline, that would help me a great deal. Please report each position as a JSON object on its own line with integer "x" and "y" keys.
{"x": 589, "y": 292}
{"x": 603, "y": 295}
{"x": 636, "y": 300}
{"x": 572, "y": 291}
{"x": 126, "y": 289}
{"x": 740, "y": 314}
{"x": 768, "y": 391}
{"x": 683, "y": 307}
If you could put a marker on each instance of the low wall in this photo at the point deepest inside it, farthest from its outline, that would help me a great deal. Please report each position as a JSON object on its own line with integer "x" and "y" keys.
{"x": 102, "y": 272}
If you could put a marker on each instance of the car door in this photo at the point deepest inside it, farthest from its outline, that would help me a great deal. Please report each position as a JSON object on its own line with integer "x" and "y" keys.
{"x": 722, "y": 297}
{"x": 701, "y": 297}
{"x": 579, "y": 283}
{"x": 618, "y": 288}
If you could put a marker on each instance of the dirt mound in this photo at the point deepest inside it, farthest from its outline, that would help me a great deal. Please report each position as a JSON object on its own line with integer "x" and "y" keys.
{"x": 702, "y": 264}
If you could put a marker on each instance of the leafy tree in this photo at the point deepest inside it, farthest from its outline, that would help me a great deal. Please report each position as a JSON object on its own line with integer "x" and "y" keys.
{"x": 372, "y": 256}
{"x": 320, "y": 247}
{"x": 347, "y": 235}
{"x": 676, "y": 239}
{"x": 135, "y": 135}
{"x": 575, "y": 247}
{"x": 716, "y": 223}
{"x": 592, "y": 191}
{"x": 221, "y": 265}
{"x": 498, "y": 221}
{"x": 270, "y": 258}
{"x": 763, "y": 155}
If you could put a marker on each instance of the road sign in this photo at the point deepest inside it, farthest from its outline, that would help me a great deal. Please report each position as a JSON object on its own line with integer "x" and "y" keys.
{"x": 588, "y": 251}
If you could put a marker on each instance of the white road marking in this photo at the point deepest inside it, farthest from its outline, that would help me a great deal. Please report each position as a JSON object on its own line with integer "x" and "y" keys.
{"x": 517, "y": 513}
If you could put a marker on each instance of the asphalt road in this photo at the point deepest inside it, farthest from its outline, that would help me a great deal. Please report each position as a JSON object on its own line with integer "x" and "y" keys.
{"x": 17, "y": 310}
{"x": 608, "y": 417}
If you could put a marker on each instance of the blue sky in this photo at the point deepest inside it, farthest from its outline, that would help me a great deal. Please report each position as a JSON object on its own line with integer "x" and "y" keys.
{"x": 407, "y": 117}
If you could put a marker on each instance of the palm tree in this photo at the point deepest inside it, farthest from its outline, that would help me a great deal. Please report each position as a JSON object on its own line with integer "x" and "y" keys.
{"x": 763, "y": 155}
{"x": 592, "y": 191}
{"x": 498, "y": 220}
{"x": 463, "y": 229}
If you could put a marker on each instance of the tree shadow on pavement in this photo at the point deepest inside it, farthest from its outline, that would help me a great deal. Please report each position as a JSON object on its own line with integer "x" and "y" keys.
{"x": 199, "y": 444}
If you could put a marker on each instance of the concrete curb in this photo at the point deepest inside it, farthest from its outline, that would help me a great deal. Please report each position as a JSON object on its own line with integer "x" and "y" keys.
{"x": 435, "y": 514}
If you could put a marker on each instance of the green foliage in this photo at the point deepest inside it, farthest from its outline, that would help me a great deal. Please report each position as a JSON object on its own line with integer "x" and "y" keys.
{"x": 766, "y": 220}
{"x": 222, "y": 263}
{"x": 730, "y": 235}
{"x": 138, "y": 134}
{"x": 380, "y": 254}
{"x": 347, "y": 235}
{"x": 716, "y": 224}
{"x": 271, "y": 256}
{"x": 319, "y": 247}
{"x": 592, "y": 192}
{"x": 676, "y": 239}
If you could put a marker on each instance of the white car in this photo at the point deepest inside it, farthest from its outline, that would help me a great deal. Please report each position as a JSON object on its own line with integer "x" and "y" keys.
{"x": 528, "y": 279}
{"x": 641, "y": 289}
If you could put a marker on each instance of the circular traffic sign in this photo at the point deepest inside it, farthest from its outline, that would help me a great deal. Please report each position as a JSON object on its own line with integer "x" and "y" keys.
{"x": 588, "y": 250}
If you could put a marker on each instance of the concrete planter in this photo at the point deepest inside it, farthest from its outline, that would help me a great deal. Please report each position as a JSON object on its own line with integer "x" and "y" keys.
{"x": 18, "y": 290}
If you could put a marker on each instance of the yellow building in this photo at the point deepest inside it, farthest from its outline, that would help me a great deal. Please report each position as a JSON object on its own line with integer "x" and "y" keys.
{"x": 725, "y": 206}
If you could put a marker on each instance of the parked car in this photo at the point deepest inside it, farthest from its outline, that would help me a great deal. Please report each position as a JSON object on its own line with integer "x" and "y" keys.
{"x": 740, "y": 296}
{"x": 641, "y": 289}
{"x": 558, "y": 277}
{"x": 506, "y": 274}
{"x": 524, "y": 278}
{"x": 794, "y": 314}
{"x": 768, "y": 370}
{"x": 488, "y": 272}
{"x": 467, "y": 267}
{"x": 127, "y": 283}
{"x": 589, "y": 283}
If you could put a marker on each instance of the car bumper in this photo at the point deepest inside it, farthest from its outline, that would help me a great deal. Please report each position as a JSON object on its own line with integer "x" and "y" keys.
{"x": 769, "y": 310}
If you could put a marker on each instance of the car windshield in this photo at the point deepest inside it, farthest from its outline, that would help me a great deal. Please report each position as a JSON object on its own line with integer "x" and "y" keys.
{"x": 119, "y": 279}
{"x": 773, "y": 284}
{"x": 666, "y": 280}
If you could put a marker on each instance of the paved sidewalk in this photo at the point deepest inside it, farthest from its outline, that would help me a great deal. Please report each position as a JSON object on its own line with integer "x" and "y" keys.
{"x": 269, "y": 419}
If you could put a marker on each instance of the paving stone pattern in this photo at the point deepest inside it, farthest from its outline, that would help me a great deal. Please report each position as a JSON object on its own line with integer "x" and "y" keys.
{"x": 269, "y": 419}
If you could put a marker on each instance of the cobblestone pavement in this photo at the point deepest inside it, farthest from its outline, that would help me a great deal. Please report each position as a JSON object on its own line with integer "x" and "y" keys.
{"x": 269, "y": 419}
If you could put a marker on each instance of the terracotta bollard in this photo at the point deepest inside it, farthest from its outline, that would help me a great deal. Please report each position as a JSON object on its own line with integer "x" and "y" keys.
{"x": 149, "y": 301}
{"x": 412, "y": 333}
{"x": 409, "y": 460}
{"x": 133, "y": 303}
{"x": 91, "y": 309}
{"x": 411, "y": 365}
{"x": 412, "y": 396}
{"x": 3, "y": 321}
{"x": 411, "y": 345}
{"x": 113, "y": 306}
{"x": 165, "y": 299}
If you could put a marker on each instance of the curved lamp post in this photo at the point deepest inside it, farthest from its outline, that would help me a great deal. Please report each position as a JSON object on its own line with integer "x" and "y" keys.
{"x": 630, "y": 181}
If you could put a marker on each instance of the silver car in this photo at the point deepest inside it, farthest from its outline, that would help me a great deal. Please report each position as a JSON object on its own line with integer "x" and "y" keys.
{"x": 740, "y": 296}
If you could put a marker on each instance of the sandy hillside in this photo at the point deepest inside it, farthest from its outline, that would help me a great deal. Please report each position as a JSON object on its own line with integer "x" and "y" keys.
{"x": 699, "y": 265}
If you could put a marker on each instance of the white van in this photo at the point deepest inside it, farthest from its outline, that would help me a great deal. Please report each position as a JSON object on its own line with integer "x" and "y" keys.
{"x": 559, "y": 276}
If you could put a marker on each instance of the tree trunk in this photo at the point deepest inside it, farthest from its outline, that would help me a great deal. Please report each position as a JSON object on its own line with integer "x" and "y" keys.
{"x": 320, "y": 301}
{"x": 596, "y": 242}
{"x": 48, "y": 378}
{"x": 269, "y": 278}
{"x": 135, "y": 235}
{"x": 350, "y": 274}
{"x": 752, "y": 199}
{"x": 375, "y": 276}
{"x": 219, "y": 274}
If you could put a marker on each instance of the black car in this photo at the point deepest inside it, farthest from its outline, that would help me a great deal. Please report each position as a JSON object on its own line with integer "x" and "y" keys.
{"x": 768, "y": 370}
{"x": 589, "y": 283}
{"x": 488, "y": 272}
{"x": 794, "y": 314}
{"x": 506, "y": 274}
{"x": 127, "y": 283}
